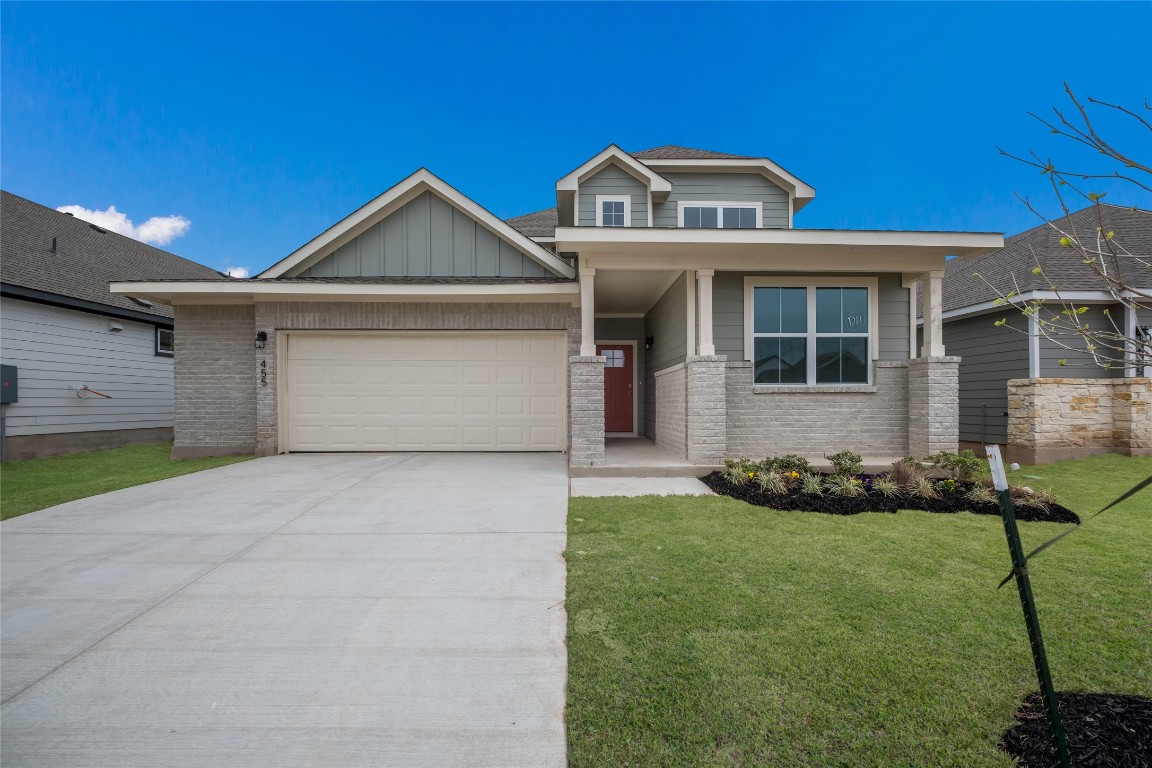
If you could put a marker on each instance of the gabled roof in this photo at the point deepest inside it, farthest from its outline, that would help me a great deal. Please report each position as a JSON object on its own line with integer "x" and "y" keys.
{"x": 675, "y": 152}
{"x": 966, "y": 282}
{"x": 86, "y": 260}
{"x": 657, "y": 184}
{"x": 391, "y": 200}
{"x": 539, "y": 224}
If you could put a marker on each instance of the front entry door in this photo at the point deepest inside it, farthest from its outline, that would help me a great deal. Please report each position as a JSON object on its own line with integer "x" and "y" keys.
{"x": 618, "y": 372}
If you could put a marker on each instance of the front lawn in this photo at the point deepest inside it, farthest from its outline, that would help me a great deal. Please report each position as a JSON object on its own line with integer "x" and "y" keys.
{"x": 26, "y": 486}
{"x": 707, "y": 632}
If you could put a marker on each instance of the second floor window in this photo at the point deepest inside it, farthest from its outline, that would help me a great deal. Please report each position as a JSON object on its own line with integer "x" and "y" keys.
{"x": 719, "y": 215}
{"x": 612, "y": 211}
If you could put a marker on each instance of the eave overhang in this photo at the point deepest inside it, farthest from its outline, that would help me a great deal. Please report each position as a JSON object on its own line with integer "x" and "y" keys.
{"x": 250, "y": 291}
{"x": 800, "y": 192}
{"x": 569, "y": 185}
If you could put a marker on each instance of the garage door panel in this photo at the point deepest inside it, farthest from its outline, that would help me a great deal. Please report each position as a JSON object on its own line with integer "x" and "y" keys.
{"x": 481, "y": 391}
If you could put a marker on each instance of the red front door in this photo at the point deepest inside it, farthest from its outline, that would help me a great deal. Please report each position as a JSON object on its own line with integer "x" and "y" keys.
{"x": 618, "y": 365}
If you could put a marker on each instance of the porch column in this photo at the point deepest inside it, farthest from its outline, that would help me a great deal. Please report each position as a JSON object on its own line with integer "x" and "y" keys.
{"x": 587, "y": 312}
{"x": 932, "y": 303}
{"x": 704, "y": 279}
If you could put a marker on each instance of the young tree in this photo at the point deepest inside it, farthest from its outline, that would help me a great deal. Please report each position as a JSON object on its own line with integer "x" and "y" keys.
{"x": 1112, "y": 261}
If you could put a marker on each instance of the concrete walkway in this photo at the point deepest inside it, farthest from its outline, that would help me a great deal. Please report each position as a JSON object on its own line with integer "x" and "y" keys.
{"x": 307, "y": 610}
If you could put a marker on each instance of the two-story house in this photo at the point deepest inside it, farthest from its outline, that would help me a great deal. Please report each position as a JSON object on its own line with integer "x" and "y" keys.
{"x": 668, "y": 295}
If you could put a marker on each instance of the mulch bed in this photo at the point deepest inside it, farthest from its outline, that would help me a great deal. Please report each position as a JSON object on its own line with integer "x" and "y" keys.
{"x": 1104, "y": 731}
{"x": 948, "y": 503}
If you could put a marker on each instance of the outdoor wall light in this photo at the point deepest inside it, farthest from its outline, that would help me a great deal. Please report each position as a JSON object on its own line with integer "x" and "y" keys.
{"x": 649, "y": 342}
{"x": 261, "y": 337}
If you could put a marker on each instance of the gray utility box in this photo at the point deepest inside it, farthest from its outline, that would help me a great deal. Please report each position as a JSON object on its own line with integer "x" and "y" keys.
{"x": 9, "y": 384}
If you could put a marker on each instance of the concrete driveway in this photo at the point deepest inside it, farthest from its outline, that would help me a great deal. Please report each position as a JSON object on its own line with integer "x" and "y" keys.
{"x": 305, "y": 610}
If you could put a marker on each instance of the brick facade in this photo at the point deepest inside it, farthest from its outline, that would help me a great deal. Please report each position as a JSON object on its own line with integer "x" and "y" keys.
{"x": 1060, "y": 419}
{"x": 216, "y": 368}
{"x": 706, "y": 408}
{"x": 933, "y": 405}
{"x": 671, "y": 401}
{"x": 809, "y": 421}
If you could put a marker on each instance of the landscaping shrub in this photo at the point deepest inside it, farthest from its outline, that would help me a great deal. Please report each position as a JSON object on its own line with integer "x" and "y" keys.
{"x": 847, "y": 463}
{"x": 964, "y": 466}
{"x": 787, "y": 463}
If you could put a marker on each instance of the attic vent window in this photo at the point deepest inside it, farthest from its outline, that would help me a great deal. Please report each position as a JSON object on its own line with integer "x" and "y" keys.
{"x": 142, "y": 302}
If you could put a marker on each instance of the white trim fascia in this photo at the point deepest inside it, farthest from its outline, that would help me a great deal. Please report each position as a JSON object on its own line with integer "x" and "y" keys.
{"x": 392, "y": 199}
{"x": 815, "y": 281}
{"x": 1033, "y": 347}
{"x": 755, "y": 205}
{"x": 796, "y": 187}
{"x": 268, "y": 289}
{"x": 1087, "y": 297}
{"x": 612, "y": 154}
{"x": 1130, "y": 333}
{"x": 635, "y": 386}
{"x": 626, "y": 199}
{"x": 619, "y": 315}
{"x": 690, "y": 283}
{"x": 958, "y": 243}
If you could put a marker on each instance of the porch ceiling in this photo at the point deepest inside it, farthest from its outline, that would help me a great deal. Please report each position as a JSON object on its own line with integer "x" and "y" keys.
{"x": 630, "y": 291}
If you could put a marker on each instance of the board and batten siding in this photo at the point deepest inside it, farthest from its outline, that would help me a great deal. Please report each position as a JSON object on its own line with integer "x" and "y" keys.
{"x": 1080, "y": 363}
{"x": 57, "y": 350}
{"x": 724, "y": 187}
{"x": 613, "y": 180}
{"x": 667, "y": 324}
{"x": 427, "y": 237}
{"x": 990, "y": 355}
{"x": 728, "y": 312}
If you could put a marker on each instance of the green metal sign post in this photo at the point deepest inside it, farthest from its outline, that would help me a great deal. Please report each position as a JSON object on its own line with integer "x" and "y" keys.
{"x": 1024, "y": 587}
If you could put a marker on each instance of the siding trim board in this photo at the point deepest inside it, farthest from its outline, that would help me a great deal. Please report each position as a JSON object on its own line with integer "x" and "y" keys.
{"x": 67, "y": 302}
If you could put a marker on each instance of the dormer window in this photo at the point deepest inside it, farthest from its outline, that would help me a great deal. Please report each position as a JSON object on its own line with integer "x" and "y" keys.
{"x": 707, "y": 215}
{"x": 613, "y": 211}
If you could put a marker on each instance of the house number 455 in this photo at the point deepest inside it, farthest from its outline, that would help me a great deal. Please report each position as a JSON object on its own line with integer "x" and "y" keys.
{"x": 263, "y": 373}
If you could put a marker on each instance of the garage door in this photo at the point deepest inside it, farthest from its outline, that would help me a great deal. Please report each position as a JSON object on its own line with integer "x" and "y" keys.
{"x": 450, "y": 391}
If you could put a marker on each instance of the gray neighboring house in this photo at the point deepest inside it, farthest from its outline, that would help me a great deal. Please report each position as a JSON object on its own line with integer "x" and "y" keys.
{"x": 992, "y": 356}
{"x": 69, "y": 338}
{"x": 668, "y": 295}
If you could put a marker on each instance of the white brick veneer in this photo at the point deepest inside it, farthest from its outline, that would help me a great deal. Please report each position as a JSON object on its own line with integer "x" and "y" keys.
{"x": 671, "y": 402}
{"x": 933, "y": 405}
{"x": 585, "y": 411}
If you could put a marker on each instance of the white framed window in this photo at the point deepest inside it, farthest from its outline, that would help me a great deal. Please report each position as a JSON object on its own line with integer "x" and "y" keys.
{"x": 613, "y": 210}
{"x": 719, "y": 215}
{"x": 165, "y": 341}
{"x": 810, "y": 331}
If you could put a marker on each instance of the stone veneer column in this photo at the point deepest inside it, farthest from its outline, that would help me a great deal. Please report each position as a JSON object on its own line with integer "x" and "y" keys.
{"x": 585, "y": 411}
{"x": 706, "y": 411}
{"x": 933, "y": 405}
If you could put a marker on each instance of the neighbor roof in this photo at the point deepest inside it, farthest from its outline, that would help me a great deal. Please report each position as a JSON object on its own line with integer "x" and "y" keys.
{"x": 539, "y": 224}
{"x": 967, "y": 282}
{"x": 675, "y": 152}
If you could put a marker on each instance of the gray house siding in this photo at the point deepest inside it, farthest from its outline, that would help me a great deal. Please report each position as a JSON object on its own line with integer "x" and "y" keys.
{"x": 57, "y": 350}
{"x": 989, "y": 357}
{"x": 1080, "y": 363}
{"x": 667, "y": 324}
{"x": 427, "y": 237}
{"x": 728, "y": 313}
{"x": 750, "y": 187}
{"x": 628, "y": 329}
{"x": 613, "y": 181}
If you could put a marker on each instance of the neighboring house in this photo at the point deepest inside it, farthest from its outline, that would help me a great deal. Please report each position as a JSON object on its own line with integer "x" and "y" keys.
{"x": 992, "y": 355}
{"x": 69, "y": 338}
{"x": 667, "y": 295}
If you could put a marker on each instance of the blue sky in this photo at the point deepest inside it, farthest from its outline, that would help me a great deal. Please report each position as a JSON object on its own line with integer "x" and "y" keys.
{"x": 263, "y": 124}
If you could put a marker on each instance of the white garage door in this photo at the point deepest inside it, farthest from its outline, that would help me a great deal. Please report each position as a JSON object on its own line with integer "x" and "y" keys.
{"x": 445, "y": 391}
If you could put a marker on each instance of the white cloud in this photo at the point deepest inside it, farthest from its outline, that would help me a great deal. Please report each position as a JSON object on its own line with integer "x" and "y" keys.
{"x": 236, "y": 271}
{"x": 158, "y": 230}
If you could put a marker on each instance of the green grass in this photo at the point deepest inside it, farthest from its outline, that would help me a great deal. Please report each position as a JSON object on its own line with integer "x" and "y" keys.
{"x": 707, "y": 632}
{"x": 26, "y": 486}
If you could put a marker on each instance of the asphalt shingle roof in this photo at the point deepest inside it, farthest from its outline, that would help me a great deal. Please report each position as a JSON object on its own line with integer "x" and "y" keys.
{"x": 538, "y": 224}
{"x": 675, "y": 152}
{"x": 86, "y": 258}
{"x": 1063, "y": 267}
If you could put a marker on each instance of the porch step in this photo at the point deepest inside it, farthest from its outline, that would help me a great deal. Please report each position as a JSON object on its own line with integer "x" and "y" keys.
{"x": 642, "y": 470}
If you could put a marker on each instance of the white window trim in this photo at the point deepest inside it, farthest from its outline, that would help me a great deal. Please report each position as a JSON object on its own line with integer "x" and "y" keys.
{"x": 601, "y": 199}
{"x": 753, "y": 204}
{"x": 156, "y": 346}
{"x": 812, "y": 283}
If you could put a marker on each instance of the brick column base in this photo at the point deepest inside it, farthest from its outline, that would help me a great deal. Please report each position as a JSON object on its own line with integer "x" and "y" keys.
{"x": 706, "y": 411}
{"x": 933, "y": 405}
{"x": 585, "y": 411}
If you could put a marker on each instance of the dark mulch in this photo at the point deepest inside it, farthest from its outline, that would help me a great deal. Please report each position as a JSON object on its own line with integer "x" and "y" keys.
{"x": 1104, "y": 731}
{"x": 874, "y": 502}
